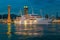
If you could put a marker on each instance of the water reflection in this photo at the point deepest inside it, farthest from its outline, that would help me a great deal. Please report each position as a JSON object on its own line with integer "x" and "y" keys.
{"x": 29, "y": 29}
{"x": 9, "y": 30}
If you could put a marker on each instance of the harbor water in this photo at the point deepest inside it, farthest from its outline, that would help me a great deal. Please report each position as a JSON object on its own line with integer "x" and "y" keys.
{"x": 29, "y": 32}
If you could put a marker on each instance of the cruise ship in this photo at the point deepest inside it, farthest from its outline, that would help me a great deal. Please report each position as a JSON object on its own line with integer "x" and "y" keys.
{"x": 31, "y": 18}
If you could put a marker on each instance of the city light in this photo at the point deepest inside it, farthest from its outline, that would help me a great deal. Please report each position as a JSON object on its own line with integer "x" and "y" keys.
{"x": 35, "y": 21}
{"x": 30, "y": 21}
{"x": 20, "y": 22}
{"x": 25, "y": 22}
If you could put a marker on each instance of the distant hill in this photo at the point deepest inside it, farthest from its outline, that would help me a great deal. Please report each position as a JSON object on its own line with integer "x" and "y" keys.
{"x": 0, "y": 16}
{"x": 5, "y": 16}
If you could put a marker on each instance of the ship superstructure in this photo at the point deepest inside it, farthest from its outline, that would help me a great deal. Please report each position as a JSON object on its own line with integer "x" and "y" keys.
{"x": 31, "y": 18}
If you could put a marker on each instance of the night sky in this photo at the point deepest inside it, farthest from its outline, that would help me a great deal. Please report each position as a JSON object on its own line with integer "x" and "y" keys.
{"x": 49, "y": 7}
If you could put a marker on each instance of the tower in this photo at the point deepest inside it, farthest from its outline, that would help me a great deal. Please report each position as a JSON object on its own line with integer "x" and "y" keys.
{"x": 9, "y": 19}
{"x": 26, "y": 11}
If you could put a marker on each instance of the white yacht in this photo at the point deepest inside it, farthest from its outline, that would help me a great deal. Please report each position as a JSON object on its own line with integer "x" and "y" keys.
{"x": 33, "y": 19}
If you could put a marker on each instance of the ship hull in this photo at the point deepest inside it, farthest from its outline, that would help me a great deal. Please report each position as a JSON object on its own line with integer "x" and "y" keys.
{"x": 38, "y": 21}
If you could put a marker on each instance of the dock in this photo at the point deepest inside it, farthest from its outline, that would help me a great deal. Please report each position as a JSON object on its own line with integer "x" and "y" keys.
{"x": 56, "y": 21}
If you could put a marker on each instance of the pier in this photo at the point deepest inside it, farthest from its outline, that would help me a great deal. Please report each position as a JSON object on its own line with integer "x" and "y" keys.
{"x": 56, "y": 21}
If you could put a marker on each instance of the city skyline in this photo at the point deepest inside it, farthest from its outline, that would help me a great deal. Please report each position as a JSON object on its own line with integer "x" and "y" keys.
{"x": 47, "y": 6}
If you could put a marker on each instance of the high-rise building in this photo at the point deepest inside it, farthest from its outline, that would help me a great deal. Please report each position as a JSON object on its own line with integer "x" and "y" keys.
{"x": 9, "y": 18}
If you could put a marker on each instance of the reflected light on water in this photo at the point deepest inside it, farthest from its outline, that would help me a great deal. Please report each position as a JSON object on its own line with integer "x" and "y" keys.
{"x": 29, "y": 27}
{"x": 29, "y": 30}
{"x": 25, "y": 33}
{"x": 9, "y": 30}
{"x": 25, "y": 24}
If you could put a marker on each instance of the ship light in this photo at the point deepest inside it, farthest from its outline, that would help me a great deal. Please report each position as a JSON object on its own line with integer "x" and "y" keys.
{"x": 15, "y": 21}
{"x": 20, "y": 22}
{"x": 25, "y": 21}
{"x": 30, "y": 21}
{"x": 35, "y": 21}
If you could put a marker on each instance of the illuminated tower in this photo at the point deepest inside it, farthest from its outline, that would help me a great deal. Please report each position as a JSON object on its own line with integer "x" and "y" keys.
{"x": 26, "y": 11}
{"x": 9, "y": 19}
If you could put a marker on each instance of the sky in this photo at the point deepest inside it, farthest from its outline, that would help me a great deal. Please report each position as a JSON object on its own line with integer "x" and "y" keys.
{"x": 41, "y": 7}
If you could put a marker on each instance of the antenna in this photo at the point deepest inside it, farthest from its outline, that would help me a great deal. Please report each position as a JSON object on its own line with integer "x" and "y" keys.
{"x": 32, "y": 11}
{"x": 31, "y": 7}
{"x": 40, "y": 12}
{"x": 20, "y": 12}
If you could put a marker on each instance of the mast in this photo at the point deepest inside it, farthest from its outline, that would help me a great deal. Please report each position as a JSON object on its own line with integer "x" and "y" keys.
{"x": 31, "y": 7}
{"x": 32, "y": 11}
{"x": 20, "y": 12}
{"x": 40, "y": 12}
